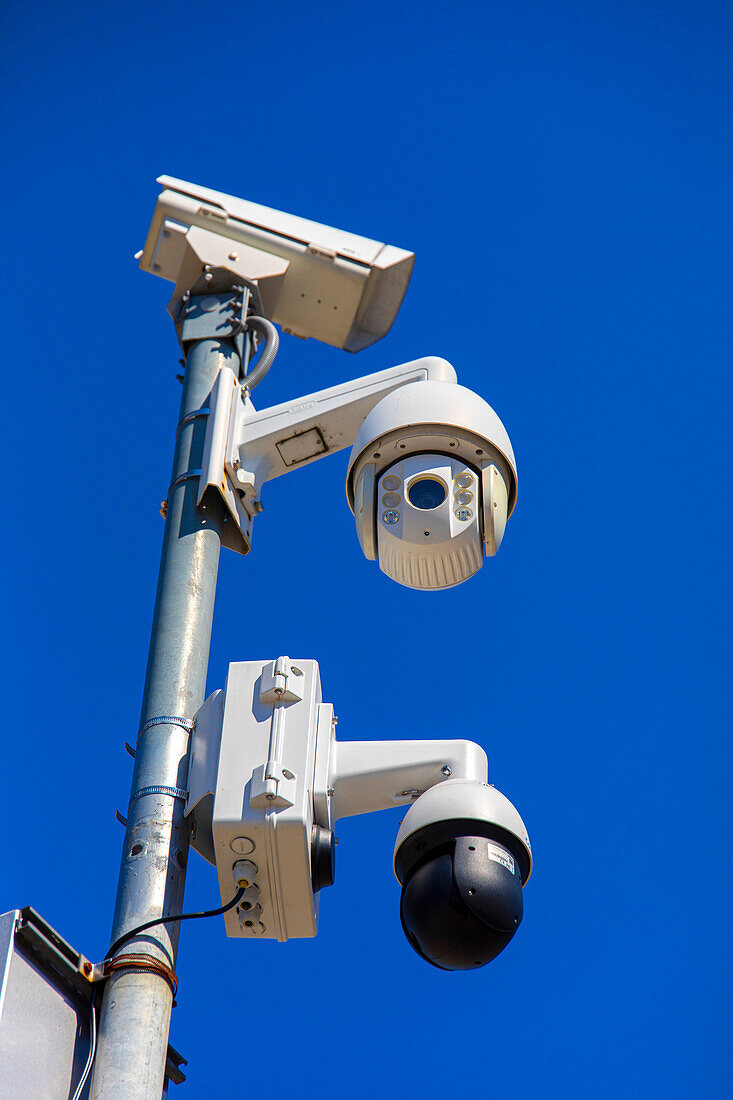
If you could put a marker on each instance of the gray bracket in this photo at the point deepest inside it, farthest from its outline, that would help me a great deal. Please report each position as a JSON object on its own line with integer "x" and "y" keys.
{"x": 206, "y": 317}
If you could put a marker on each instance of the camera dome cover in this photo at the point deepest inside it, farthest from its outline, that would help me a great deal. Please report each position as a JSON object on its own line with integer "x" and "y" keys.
{"x": 462, "y": 903}
{"x": 460, "y": 807}
{"x": 423, "y": 411}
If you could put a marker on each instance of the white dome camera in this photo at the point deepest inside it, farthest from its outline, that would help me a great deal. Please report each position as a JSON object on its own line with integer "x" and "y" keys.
{"x": 431, "y": 481}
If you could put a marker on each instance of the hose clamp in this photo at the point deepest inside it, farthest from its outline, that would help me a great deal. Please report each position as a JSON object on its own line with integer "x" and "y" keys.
{"x": 172, "y": 792}
{"x": 191, "y": 417}
{"x": 188, "y": 724}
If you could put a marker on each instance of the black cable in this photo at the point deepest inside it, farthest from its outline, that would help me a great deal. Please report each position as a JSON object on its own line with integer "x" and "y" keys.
{"x": 118, "y": 944}
{"x": 170, "y": 920}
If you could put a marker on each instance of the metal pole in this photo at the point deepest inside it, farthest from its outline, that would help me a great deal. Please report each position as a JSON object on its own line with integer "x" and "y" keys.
{"x": 135, "y": 1016}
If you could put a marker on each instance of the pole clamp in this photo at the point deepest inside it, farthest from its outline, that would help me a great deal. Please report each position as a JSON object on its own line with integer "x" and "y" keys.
{"x": 139, "y": 960}
{"x": 188, "y": 724}
{"x": 172, "y": 792}
{"x": 190, "y": 417}
{"x": 188, "y": 476}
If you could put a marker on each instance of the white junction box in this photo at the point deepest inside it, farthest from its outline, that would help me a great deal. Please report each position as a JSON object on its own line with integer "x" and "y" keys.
{"x": 251, "y": 779}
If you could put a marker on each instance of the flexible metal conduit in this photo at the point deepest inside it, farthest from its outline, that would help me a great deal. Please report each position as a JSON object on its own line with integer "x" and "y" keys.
{"x": 268, "y": 353}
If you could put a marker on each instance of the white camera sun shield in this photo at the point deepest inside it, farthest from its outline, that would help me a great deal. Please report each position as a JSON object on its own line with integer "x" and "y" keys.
{"x": 313, "y": 280}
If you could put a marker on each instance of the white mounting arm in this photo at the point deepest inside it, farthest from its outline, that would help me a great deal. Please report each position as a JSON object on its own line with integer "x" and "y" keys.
{"x": 245, "y": 448}
{"x": 377, "y": 775}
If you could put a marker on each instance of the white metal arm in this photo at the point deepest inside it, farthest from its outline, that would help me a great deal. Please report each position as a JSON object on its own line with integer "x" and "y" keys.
{"x": 377, "y": 775}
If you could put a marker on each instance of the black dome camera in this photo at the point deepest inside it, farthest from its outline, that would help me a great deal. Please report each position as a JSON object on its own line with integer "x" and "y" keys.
{"x": 462, "y": 878}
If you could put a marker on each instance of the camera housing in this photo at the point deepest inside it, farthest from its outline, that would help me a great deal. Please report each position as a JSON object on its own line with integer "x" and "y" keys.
{"x": 463, "y": 858}
{"x": 311, "y": 279}
{"x": 268, "y": 780}
{"x": 431, "y": 481}
{"x": 428, "y": 529}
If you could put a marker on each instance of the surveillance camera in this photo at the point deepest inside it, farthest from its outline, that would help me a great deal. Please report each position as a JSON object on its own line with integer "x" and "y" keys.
{"x": 311, "y": 279}
{"x": 431, "y": 481}
{"x": 268, "y": 780}
{"x": 462, "y": 857}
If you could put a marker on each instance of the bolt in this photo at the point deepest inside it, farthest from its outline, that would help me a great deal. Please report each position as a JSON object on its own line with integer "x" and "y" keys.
{"x": 446, "y": 770}
{"x": 208, "y": 277}
{"x": 330, "y": 792}
{"x": 233, "y": 255}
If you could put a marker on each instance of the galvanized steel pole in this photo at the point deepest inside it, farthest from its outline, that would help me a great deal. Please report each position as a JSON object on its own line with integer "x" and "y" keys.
{"x": 135, "y": 1016}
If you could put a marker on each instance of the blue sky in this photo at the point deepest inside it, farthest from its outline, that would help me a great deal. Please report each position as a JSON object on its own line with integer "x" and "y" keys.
{"x": 562, "y": 172}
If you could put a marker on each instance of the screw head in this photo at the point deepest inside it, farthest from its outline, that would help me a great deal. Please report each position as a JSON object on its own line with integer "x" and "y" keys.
{"x": 446, "y": 770}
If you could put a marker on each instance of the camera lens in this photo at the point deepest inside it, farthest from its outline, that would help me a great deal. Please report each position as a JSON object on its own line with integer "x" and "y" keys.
{"x": 426, "y": 492}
